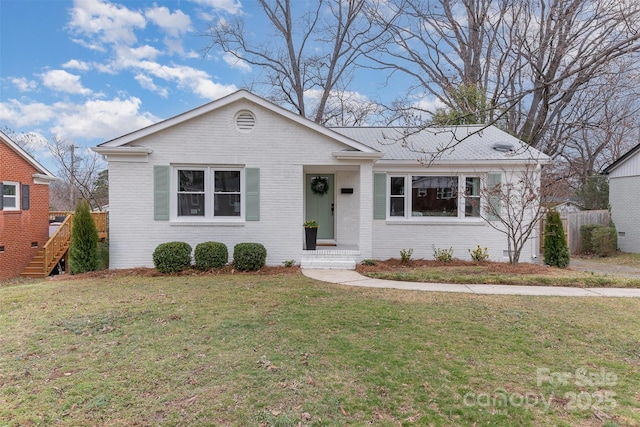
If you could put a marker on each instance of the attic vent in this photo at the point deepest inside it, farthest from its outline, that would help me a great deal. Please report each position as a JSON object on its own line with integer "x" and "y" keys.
{"x": 245, "y": 121}
{"x": 503, "y": 147}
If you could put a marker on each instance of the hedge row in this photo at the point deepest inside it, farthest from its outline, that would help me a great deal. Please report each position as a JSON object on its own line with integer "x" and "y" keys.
{"x": 172, "y": 257}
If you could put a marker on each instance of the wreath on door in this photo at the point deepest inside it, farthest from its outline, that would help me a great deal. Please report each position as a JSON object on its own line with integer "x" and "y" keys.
{"x": 320, "y": 185}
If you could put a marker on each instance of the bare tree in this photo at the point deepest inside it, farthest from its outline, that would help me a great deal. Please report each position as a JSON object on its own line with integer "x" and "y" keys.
{"x": 513, "y": 207}
{"x": 307, "y": 51}
{"x": 79, "y": 170}
{"x": 530, "y": 59}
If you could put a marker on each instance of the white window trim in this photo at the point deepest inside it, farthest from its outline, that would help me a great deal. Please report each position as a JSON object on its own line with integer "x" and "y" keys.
{"x": 17, "y": 196}
{"x": 408, "y": 218}
{"x": 209, "y": 187}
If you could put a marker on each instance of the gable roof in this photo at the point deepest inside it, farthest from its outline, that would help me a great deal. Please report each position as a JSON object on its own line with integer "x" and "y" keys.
{"x": 109, "y": 146}
{"x": 42, "y": 172}
{"x": 445, "y": 144}
{"x": 456, "y": 144}
{"x": 626, "y": 156}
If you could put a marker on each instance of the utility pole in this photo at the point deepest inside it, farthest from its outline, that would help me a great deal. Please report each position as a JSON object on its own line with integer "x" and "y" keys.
{"x": 72, "y": 179}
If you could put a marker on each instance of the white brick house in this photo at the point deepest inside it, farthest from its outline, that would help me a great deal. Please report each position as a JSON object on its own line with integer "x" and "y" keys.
{"x": 624, "y": 199}
{"x": 240, "y": 169}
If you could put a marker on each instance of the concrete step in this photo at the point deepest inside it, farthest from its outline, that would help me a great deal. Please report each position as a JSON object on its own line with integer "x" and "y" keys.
{"x": 328, "y": 264}
{"x": 330, "y": 258}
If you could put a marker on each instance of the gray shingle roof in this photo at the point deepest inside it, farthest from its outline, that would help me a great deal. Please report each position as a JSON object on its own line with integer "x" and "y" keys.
{"x": 458, "y": 143}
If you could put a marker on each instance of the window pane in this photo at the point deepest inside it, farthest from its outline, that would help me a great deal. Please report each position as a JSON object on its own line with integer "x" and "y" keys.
{"x": 226, "y": 205}
{"x": 396, "y": 206}
{"x": 397, "y": 186}
{"x": 472, "y": 197}
{"x": 434, "y": 196}
{"x": 227, "y": 181}
{"x": 190, "y": 204}
{"x": 9, "y": 190}
{"x": 191, "y": 181}
{"x": 10, "y": 196}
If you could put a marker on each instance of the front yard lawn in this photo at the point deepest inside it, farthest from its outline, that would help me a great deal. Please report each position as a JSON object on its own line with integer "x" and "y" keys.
{"x": 285, "y": 350}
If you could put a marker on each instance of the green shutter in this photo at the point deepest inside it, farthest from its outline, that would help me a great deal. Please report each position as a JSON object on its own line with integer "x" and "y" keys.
{"x": 379, "y": 196}
{"x": 161, "y": 190}
{"x": 25, "y": 197}
{"x": 252, "y": 198}
{"x": 494, "y": 181}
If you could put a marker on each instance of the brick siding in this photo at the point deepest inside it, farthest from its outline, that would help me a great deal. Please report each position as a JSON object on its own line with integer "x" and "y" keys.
{"x": 19, "y": 229}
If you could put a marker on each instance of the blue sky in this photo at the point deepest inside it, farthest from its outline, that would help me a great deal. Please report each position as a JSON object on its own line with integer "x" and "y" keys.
{"x": 91, "y": 70}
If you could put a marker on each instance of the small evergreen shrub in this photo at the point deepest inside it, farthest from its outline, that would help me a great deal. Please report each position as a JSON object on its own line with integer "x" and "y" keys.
{"x": 369, "y": 262}
{"x": 479, "y": 254}
{"x": 586, "y": 233}
{"x": 208, "y": 255}
{"x": 83, "y": 249}
{"x": 249, "y": 256}
{"x": 443, "y": 255}
{"x": 289, "y": 263}
{"x": 171, "y": 257}
{"x": 556, "y": 251}
{"x": 604, "y": 240}
{"x": 405, "y": 255}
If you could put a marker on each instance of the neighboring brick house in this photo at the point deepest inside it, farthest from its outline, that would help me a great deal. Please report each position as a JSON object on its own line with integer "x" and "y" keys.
{"x": 241, "y": 169}
{"x": 24, "y": 207}
{"x": 624, "y": 199}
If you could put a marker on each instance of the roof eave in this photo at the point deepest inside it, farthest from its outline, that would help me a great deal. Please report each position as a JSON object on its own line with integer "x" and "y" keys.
{"x": 26, "y": 156}
{"x": 357, "y": 155}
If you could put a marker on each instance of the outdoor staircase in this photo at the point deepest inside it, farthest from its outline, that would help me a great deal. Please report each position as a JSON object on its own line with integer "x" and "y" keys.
{"x": 36, "y": 269}
{"x": 58, "y": 244}
{"x": 52, "y": 252}
{"x": 330, "y": 258}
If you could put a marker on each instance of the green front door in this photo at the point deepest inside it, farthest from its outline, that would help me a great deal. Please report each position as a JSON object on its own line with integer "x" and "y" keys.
{"x": 320, "y": 203}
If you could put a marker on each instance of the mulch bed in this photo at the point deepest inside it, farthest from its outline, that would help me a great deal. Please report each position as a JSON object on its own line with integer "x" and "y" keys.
{"x": 381, "y": 266}
{"x": 394, "y": 264}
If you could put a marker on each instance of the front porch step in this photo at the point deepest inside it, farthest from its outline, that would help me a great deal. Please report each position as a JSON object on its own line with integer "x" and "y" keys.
{"x": 330, "y": 259}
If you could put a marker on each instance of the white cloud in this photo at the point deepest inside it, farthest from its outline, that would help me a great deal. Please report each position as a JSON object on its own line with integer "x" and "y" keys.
{"x": 76, "y": 65}
{"x": 198, "y": 81}
{"x": 128, "y": 56}
{"x": 233, "y": 7}
{"x": 93, "y": 119}
{"x": 23, "y": 84}
{"x": 146, "y": 82}
{"x": 62, "y": 81}
{"x": 100, "y": 119}
{"x": 105, "y": 22}
{"x": 174, "y": 24}
{"x": 234, "y": 62}
{"x": 19, "y": 115}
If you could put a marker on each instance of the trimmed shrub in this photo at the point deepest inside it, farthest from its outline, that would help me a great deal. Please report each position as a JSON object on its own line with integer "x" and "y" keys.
{"x": 249, "y": 256}
{"x": 442, "y": 255}
{"x": 586, "y": 233}
{"x": 604, "y": 240}
{"x": 479, "y": 254}
{"x": 208, "y": 255}
{"x": 405, "y": 255}
{"x": 171, "y": 257}
{"x": 83, "y": 249}
{"x": 556, "y": 251}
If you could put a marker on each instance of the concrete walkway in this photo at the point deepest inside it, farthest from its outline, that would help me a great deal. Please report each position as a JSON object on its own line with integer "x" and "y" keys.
{"x": 352, "y": 278}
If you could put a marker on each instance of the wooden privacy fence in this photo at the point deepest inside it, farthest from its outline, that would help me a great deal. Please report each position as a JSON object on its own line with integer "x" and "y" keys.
{"x": 571, "y": 223}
